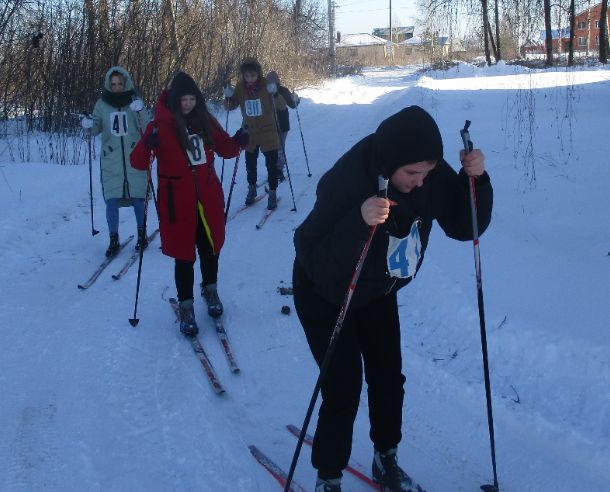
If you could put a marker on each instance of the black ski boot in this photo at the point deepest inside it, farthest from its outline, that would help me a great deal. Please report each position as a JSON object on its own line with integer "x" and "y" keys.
{"x": 251, "y": 196}
{"x": 389, "y": 476}
{"x": 328, "y": 485}
{"x": 142, "y": 240}
{"x": 114, "y": 246}
{"x": 210, "y": 294}
{"x": 272, "y": 200}
{"x": 188, "y": 325}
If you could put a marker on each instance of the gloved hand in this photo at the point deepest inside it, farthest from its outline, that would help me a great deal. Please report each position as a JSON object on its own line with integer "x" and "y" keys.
{"x": 137, "y": 105}
{"x": 295, "y": 98}
{"x": 242, "y": 137}
{"x": 272, "y": 88}
{"x": 86, "y": 123}
{"x": 229, "y": 91}
{"x": 152, "y": 141}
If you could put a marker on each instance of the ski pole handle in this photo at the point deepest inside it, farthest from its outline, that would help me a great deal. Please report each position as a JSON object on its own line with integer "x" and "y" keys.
{"x": 466, "y": 137}
{"x": 383, "y": 187}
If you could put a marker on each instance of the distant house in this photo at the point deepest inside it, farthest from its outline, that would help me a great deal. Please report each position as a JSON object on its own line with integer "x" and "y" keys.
{"x": 586, "y": 35}
{"x": 399, "y": 34}
{"x": 363, "y": 49}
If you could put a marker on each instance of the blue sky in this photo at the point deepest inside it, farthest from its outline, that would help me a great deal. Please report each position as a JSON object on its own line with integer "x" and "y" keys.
{"x": 354, "y": 16}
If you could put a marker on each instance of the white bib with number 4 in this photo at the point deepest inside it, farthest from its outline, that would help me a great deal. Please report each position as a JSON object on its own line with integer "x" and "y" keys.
{"x": 254, "y": 107}
{"x": 197, "y": 157}
{"x": 404, "y": 254}
{"x": 118, "y": 123}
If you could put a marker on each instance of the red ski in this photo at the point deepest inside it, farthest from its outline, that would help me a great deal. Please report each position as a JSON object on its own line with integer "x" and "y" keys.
{"x": 275, "y": 470}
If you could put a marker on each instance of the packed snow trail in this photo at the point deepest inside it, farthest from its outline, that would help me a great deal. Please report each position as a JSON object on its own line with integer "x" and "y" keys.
{"x": 90, "y": 403}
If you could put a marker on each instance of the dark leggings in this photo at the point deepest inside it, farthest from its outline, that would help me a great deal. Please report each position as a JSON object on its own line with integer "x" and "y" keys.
{"x": 208, "y": 262}
{"x": 370, "y": 334}
{"x": 270, "y": 162}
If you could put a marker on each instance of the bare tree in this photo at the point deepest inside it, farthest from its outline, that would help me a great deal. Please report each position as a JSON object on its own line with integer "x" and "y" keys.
{"x": 603, "y": 32}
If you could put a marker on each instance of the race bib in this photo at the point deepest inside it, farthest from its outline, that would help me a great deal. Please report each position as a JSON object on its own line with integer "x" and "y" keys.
{"x": 118, "y": 123}
{"x": 254, "y": 107}
{"x": 404, "y": 254}
{"x": 198, "y": 156}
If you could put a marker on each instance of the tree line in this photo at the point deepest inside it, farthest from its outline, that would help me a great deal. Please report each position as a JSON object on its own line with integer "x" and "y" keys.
{"x": 54, "y": 53}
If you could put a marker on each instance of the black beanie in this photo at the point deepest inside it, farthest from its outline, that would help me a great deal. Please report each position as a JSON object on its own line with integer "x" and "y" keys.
{"x": 407, "y": 137}
{"x": 183, "y": 85}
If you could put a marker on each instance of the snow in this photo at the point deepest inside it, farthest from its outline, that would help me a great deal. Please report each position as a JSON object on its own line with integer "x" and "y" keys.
{"x": 361, "y": 39}
{"x": 90, "y": 403}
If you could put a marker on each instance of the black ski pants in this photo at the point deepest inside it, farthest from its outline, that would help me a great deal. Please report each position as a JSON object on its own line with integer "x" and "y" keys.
{"x": 270, "y": 162}
{"x": 370, "y": 336}
{"x": 184, "y": 271}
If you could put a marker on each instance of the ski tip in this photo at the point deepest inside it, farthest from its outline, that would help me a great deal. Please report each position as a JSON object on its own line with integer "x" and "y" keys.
{"x": 134, "y": 322}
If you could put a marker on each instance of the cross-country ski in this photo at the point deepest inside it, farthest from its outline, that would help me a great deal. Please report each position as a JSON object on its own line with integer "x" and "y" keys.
{"x": 103, "y": 266}
{"x": 133, "y": 258}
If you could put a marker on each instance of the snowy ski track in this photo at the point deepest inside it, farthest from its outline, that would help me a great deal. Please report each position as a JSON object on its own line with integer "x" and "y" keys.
{"x": 90, "y": 403}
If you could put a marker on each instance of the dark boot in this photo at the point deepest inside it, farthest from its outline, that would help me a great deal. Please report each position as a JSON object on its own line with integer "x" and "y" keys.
{"x": 142, "y": 240}
{"x": 328, "y": 485}
{"x": 251, "y": 196}
{"x": 188, "y": 325}
{"x": 210, "y": 294}
{"x": 272, "y": 201}
{"x": 389, "y": 476}
{"x": 280, "y": 175}
{"x": 114, "y": 246}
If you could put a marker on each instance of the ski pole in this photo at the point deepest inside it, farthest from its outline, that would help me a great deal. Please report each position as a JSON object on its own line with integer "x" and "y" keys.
{"x": 89, "y": 143}
{"x": 477, "y": 264}
{"x": 303, "y": 140}
{"x": 152, "y": 185}
{"x": 277, "y": 126}
{"x": 134, "y": 321}
{"x": 383, "y": 193}
{"x": 232, "y": 185}
{"x": 222, "y": 172}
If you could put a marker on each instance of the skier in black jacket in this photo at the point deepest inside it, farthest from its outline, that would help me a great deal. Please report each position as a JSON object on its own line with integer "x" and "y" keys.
{"x": 407, "y": 149}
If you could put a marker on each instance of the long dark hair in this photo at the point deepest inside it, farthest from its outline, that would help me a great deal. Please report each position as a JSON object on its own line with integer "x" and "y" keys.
{"x": 198, "y": 120}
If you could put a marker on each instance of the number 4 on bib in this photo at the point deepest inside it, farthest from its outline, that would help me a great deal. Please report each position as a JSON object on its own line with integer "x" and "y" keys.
{"x": 404, "y": 254}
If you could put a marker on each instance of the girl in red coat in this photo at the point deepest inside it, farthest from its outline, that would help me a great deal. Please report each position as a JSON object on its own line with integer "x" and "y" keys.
{"x": 184, "y": 137}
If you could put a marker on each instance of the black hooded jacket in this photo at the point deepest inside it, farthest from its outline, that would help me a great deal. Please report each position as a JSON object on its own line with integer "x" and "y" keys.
{"x": 329, "y": 242}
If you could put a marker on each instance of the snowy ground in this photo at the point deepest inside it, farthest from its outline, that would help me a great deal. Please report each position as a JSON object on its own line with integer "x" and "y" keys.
{"x": 90, "y": 403}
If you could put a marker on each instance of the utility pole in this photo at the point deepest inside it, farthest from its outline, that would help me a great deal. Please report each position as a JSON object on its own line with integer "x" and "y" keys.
{"x": 331, "y": 37}
{"x": 391, "y": 44}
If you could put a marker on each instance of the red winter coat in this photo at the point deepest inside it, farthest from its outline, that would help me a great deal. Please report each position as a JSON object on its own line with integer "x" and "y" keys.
{"x": 177, "y": 193}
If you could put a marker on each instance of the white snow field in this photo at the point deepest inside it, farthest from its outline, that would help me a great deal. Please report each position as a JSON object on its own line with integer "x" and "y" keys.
{"x": 89, "y": 403}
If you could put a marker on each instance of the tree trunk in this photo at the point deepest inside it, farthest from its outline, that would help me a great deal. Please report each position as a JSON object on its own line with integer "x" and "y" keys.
{"x": 170, "y": 19}
{"x": 603, "y": 33}
{"x": 486, "y": 31}
{"x": 572, "y": 28}
{"x": 549, "y": 33}
{"x": 498, "y": 51}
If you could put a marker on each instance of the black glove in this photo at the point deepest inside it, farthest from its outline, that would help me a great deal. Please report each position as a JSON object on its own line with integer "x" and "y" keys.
{"x": 152, "y": 141}
{"x": 242, "y": 138}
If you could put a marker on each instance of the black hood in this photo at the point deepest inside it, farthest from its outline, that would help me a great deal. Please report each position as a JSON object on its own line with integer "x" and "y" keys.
{"x": 407, "y": 137}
